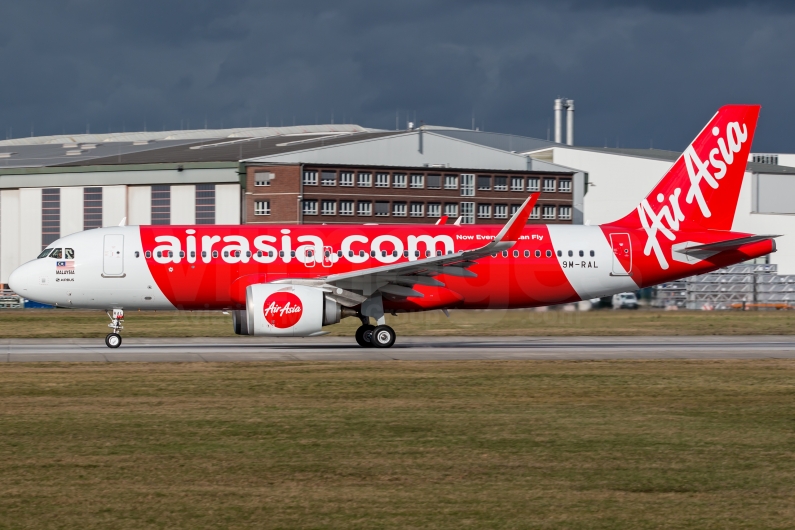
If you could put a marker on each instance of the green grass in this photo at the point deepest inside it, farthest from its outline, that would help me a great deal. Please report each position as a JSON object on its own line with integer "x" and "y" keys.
{"x": 74, "y": 323}
{"x": 614, "y": 444}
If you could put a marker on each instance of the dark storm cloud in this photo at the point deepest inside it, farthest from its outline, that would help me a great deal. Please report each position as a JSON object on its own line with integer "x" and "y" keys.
{"x": 638, "y": 71}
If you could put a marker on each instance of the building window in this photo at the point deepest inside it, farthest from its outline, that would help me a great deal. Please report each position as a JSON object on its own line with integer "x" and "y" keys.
{"x": 417, "y": 209}
{"x": 262, "y": 178}
{"x": 564, "y": 212}
{"x": 50, "y": 215}
{"x": 434, "y": 182}
{"x": 365, "y": 208}
{"x": 399, "y": 180}
{"x": 564, "y": 186}
{"x": 328, "y": 207}
{"x": 262, "y": 207}
{"x": 517, "y": 183}
{"x": 451, "y": 209}
{"x": 500, "y": 183}
{"x": 417, "y": 181}
{"x": 346, "y": 207}
{"x": 533, "y": 184}
{"x": 310, "y": 178}
{"x": 381, "y": 208}
{"x": 536, "y": 213}
{"x": 346, "y": 179}
{"x": 484, "y": 182}
{"x": 484, "y": 211}
{"x": 92, "y": 208}
{"x": 382, "y": 180}
{"x": 205, "y": 204}
{"x": 364, "y": 180}
{"x": 515, "y": 208}
{"x": 328, "y": 178}
{"x": 467, "y": 185}
{"x": 451, "y": 182}
{"x": 549, "y": 212}
{"x": 399, "y": 209}
{"x": 468, "y": 213}
{"x": 161, "y": 205}
{"x": 434, "y": 209}
{"x": 500, "y": 211}
{"x": 766, "y": 159}
{"x": 310, "y": 206}
{"x": 549, "y": 185}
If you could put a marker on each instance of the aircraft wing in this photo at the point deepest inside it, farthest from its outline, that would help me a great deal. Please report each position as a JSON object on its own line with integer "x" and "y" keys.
{"x": 399, "y": 278}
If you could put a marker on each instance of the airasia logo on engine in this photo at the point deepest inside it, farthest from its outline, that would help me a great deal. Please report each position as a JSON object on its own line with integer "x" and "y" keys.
{"x": 282, "y": 310}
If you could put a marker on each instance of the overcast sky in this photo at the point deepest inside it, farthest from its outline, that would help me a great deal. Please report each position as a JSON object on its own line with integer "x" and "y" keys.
{"x": 639, "y": 72}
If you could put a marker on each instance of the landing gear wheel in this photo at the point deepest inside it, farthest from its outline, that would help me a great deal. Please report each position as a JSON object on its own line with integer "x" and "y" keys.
{"x": 113, "y": 340}
{"x": 383, "y": 337}
{"x": 364, "y": 335}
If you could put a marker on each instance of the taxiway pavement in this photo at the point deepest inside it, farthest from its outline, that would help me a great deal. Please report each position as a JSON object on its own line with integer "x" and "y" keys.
{"x": 407, "y": 348}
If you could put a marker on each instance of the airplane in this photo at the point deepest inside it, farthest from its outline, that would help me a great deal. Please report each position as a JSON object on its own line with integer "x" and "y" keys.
{"x": 293, "y": 280}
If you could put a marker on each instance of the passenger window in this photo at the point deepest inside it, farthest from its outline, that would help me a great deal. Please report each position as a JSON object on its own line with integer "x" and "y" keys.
{"x": 292, "y": 253}
{"x": 137, "y": 254}
{"x": 549, "y": 253}
{"x": 170, "y": 254}
{"x": 571, "y": 254}
{"x": 361, "y": 253}
{"x": 515, "y": 253}
{"x": 192, "y": 253}
{"x": 582, "y": 253}
{"x": 339, "y": 253}
{"x": 427, "y": 253}
{"x": 327, "y": 254}
{"x": 270, "y": 253}
{"x": 204, "y": 253}
{"x": 350, "y": 253}
{"x": 181, "y": 253}
{"x": 226, "y": 253}
{"x": 281, "y": 253}
{"x": 69, "y": 253}
{"x": 538, "y": 253}
{"x": 148, "y": 254}
{"x": 416, "y": 253}
{"x": 259, "y": 253}
{"x": 215, "y": 253}
{"x": 504, "y": 253}
{"x": 592, "y": 253}
{"x": 159, "y": 254}
{"x": 57, "y": 253}
{"x": 405, "y": 253}
{"x": 560, "y": 253}
{"x": 372, "y": 253}
{"x": 394, "y": 253}
{"x": 526, "y": 253}
{"x": 438, "y": 252}
{"x": 44, "y": 253}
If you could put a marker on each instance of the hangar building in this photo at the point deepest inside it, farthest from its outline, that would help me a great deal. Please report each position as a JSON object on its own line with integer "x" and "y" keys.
{"x": 54, "y": 186}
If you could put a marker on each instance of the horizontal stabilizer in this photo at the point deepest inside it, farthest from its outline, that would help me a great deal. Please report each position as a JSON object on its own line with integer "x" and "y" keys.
{"x": 729, "y": 244}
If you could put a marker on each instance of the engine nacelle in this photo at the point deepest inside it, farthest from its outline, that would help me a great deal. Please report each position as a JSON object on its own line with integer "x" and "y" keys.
{"x": 287, "y": 310}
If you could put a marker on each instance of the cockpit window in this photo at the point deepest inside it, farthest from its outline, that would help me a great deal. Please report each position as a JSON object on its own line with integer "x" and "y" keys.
{"x": 57, "y": 254}
{"x": 69, "y": 253}
{"x": 44, "y": 253}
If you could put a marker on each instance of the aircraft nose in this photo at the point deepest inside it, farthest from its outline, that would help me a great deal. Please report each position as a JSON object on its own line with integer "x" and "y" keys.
{"x": 20, "y": 279}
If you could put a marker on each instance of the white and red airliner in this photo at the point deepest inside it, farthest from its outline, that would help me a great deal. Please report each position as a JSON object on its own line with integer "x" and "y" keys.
{"x": 293, "y": 280}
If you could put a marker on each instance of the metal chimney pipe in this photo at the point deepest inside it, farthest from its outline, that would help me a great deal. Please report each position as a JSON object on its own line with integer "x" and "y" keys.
{"x": 570, "y": 122}
{"x": 558, "y": 120}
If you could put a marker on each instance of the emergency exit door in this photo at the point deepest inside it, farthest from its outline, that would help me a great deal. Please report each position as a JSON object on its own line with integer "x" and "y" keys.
{"x": 622, "y": 254}
{"x": 113, "y": 256}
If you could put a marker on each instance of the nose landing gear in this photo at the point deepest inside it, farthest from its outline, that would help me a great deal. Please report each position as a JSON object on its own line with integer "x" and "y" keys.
{"x": 113, "y": 340}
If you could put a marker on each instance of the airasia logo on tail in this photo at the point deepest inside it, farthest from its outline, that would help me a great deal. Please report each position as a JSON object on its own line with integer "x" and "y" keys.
{"x": 282, "y": 310}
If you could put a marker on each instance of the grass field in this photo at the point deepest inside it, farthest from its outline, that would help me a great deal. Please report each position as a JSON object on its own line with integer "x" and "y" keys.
{"x": 619, "y": 444}
{"x": 73, "y": 323}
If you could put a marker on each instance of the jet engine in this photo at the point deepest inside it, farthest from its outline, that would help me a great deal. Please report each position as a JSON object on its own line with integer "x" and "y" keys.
{"x": 286, "y": 310}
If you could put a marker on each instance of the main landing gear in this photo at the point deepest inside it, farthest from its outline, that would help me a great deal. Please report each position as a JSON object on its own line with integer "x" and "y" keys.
{"x": 369, "y": 336}
{"x": 113, "y": 340}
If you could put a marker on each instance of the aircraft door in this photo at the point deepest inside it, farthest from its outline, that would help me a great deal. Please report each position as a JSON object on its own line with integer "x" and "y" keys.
{"x": 622, "y": 254}
{"x": 113, "y": 257}
{"x": 327, "y": 252}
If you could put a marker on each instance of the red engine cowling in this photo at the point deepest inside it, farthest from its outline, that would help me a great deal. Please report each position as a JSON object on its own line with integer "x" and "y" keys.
{"x": 286, "y": 310}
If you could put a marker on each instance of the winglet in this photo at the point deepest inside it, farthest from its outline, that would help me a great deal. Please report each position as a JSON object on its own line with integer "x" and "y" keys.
{"x": 513, "y": 228}
{"x": 123, "y": 221}
{"x": 442, "y": 220}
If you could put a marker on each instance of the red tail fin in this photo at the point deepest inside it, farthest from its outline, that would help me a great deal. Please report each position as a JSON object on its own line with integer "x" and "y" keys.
{"x": 701, "y": 189}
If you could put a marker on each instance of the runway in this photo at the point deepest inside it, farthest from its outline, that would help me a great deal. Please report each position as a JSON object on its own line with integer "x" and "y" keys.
{"x": 406, "y": 349}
